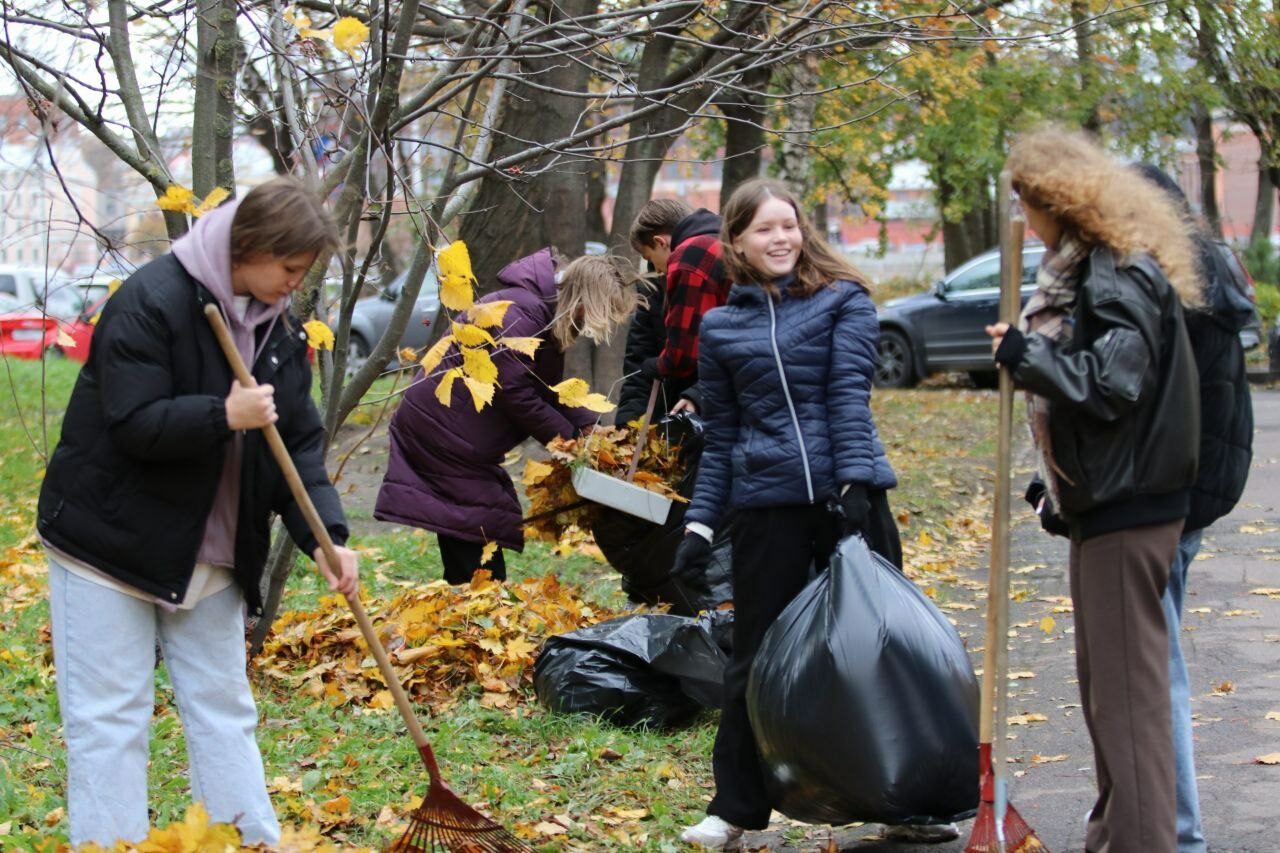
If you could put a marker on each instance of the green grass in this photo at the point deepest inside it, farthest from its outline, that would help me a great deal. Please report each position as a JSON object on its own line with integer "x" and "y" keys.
{"x": 618, "y": 787}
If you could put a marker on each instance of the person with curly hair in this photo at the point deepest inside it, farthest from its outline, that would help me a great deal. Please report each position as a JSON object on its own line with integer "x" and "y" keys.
{"x": 1102, "y": 351}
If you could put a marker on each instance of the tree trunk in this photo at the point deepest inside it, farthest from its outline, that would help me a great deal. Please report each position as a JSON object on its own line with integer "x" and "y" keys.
{"x": 508, "y": 220}
{"x": 214, "y": 121}
{"x": 1264, "y": 206}
{"x": 1085, "y": 71}
{"x": 1207, "y": 154}
{"x": 795, "y": 159}
{"x": 744, "y": 136}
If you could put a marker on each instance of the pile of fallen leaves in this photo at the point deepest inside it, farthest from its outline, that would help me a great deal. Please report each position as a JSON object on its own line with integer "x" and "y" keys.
{"x": 608, "y": 449}
{"x": 441, "y": 639}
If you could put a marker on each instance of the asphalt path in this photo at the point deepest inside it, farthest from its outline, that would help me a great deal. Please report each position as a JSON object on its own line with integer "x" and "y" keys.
{"x": 1231, "y": 640}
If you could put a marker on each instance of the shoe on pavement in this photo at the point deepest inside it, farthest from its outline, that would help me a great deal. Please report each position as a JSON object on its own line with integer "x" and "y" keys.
{"x": 934, "y": 833}
{"x": 714, "y": 833}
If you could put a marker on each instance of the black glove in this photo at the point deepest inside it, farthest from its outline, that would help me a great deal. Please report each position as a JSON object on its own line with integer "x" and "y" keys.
{"x": 1013, "y": 346}
{"x": 649, "y": 368}
{"x": 1038, "y": 496}
{"x": 693, "y": 555}
{"x": 855, "y": 509}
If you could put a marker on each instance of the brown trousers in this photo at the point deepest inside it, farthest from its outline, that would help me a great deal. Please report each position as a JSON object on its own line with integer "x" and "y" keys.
{"x": 1122, "y": 657}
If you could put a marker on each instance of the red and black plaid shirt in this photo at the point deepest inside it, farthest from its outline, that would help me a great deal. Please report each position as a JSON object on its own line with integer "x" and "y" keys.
{"x": 696, "y": 283}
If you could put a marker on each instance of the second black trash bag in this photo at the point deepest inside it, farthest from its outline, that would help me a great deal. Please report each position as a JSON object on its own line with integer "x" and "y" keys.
{"x": 645, "y": 669}
{"x": 864, "y": 702}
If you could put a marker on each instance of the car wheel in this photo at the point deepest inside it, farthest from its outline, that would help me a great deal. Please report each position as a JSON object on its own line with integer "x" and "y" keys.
{"x": 357, "y": 353}
{"x": 985, "y": 378}
{"x": 894, "y": 368}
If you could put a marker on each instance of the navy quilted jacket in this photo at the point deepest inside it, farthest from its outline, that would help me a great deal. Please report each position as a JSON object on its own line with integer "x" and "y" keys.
{"x": 786, "y": 397}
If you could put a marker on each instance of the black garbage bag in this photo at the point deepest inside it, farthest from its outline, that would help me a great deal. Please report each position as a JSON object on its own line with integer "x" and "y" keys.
{"x": 864, "y": 702}
{"x": 649, "y": 669}
{"x": 644, "y": 552}
{"x": 697, "y": 654}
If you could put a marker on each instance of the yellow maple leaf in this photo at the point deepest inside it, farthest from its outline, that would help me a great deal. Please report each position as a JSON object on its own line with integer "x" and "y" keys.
{"x": 477, "y": 364}
{"x": 1047, "y": 624}
{"x": 471, "y": 336}
{"x": 489, "y": 314}
{"x": 524, "y": 346}
{"x": 535, "y": 471}
{"x": 481, "y": 392}
{"x": 575, "y": 392}
{"x": 445, "y": 389}
{"x": 487, "y": 552}
{"x": 319, "y": 336}
{"x": 349, "y": 34}
{"x": 176, "y": 199}
{"x": 436, "y": 354}
{"x": 519, "y": 648}
{"x": 456, "y": 278}
{"x": 215, "y": 197}
{"x": 382, "y": 699}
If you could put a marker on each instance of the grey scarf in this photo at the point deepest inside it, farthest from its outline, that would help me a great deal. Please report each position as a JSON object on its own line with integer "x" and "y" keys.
{"x": 1048, "y": 313}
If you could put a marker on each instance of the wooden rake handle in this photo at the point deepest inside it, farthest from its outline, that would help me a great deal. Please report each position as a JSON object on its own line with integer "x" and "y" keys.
{"x": 643, "y": 433}
{"x": 318, "y": 530}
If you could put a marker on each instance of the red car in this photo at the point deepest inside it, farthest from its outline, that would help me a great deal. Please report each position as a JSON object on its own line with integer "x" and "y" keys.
{"x": 26, "y": 332}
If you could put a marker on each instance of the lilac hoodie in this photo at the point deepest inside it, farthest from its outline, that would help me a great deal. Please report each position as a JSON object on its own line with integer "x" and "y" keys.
{"x": 205, "y": 253}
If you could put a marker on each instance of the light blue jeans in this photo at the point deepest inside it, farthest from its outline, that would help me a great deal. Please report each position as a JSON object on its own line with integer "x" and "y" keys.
{"x": 1190, "y": 834}
{"x": 104, "y": 646}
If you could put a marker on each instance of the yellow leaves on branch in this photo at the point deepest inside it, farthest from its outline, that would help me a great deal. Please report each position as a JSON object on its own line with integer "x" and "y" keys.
{"x": 319, "y": 336}
{"x": 456, "y": 279}
{"x": 489, "y": 314}
{"x": 346, "y": 35}
{"x": 179, "y": 199}
{"x": 575, "y": 392}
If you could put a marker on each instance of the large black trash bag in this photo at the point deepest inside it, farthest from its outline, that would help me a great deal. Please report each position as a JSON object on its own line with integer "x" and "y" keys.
{"x": 864, "y": 702}
{"x": 649, "y": 669}
{"x": 644, "y": 552}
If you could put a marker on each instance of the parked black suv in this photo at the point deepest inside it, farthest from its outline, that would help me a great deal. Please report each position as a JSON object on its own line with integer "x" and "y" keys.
{"x": 944, "y": 328}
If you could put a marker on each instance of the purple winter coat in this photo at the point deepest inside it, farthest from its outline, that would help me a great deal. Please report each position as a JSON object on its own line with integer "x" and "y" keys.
{"x": 445, "y": 472}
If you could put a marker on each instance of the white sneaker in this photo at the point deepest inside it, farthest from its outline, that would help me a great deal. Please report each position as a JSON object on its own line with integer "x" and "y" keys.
{"x": 934, "y": 833}
{"x": 714, "y": 833}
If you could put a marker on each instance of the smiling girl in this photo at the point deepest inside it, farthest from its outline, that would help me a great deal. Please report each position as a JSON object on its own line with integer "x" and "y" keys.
{"x": 786, "y": 366}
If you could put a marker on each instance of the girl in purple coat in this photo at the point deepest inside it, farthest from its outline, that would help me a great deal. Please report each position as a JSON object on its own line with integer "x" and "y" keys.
{"x": 445, "y": 472}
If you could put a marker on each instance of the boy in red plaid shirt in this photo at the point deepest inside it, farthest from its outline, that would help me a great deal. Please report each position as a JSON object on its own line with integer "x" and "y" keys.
{"x": 685, "y": 245}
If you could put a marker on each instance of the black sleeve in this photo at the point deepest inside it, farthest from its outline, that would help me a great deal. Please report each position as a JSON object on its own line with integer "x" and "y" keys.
{"x": 645, "y": 338}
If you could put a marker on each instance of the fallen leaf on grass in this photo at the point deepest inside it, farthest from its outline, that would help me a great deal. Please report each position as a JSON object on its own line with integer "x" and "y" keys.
{"x": 547, "y": 827}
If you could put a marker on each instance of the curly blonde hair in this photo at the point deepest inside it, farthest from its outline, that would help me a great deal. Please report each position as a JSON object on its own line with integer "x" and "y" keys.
{"x": 594, "y": 297}
{"x": 1099, "y": 200}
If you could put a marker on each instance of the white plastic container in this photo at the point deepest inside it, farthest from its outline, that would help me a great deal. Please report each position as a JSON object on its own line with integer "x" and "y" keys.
{"x": 621, "y": 495}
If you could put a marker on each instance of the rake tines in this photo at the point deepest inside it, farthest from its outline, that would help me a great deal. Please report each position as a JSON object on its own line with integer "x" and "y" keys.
{"x": 443, "y": 822}
{"x": 1017, "y": 837}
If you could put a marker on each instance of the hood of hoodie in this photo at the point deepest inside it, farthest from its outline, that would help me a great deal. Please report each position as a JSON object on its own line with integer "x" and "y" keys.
{"x": 701, "y": 221}
{"x": 535, "y": 273}
{"x": 205, "y": 252}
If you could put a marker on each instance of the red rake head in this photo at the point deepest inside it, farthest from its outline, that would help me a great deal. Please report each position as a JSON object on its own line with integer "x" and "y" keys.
{"x": 442, "y": 822}
{"x": 1018, "y": 836}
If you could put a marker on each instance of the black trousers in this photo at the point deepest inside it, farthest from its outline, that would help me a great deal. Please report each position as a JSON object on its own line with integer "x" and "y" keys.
{"x": 773, "y": 552}
{"x": 461, "y": 559}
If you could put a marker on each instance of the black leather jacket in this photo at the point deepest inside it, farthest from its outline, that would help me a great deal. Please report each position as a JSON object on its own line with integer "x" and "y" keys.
{"x": 1124, "y": 403}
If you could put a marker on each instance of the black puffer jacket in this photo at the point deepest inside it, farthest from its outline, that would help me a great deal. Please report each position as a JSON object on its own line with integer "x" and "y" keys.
{"x": 1226, "y": 408}
{"x": 1124, "y": 410}
{"x": 131, "y": 483}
